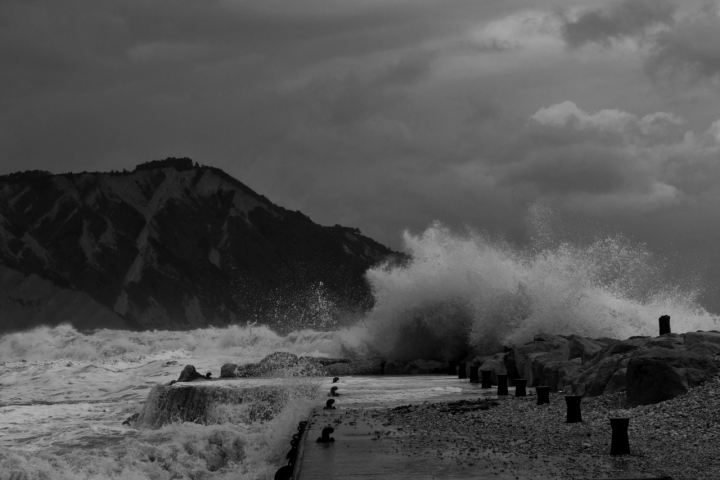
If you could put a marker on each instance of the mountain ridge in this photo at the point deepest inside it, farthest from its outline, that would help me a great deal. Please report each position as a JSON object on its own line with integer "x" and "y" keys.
{"x": 172, "y": 245}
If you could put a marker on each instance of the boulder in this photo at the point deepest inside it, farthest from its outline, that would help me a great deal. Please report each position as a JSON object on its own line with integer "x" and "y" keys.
{"x": 603, "y": 372}
{"x": 617, "y": 382}
{"x": 189, "y": 374}
{"x": 281, "y": 364}
{"x": 555, "y": 369}
{"x": 496, "y": 365}
{"x": 581, "y": 347}
{"x": 324, "y": 361}
{"x": 544, "y": 343}
{"x": 618, "y": 348}
{"x": 535, "y": 367}
{"x": 229, "y": 370}
{"x": 693, "y": 338}
{"x": 511, "y": 366}
{"x": 567, "y": 371}
{"x": 668, "y": 340}
{"x": 705, "y": 348}
{"x": 660, "y": 374}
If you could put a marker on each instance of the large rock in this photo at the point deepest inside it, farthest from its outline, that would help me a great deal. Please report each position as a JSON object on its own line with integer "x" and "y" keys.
{"x": 623, "y": 347}
{"x": 281, "y": 364}
{"x": 661, "y": 374}
{"x": 668, "y": 340}
{"x": 581, "y": 347}
{"x": 705, "y": 348}
{"x": 567, "y": 371}
{"x": 692, "y": 338}
{"x": 542, "y": 344}
{"x": 496, "y": 365}
{"x": 618, "y": 382}
{"x": 554, "y": 370}
{"x": 604, "y": 371}
{"x": 511, "y": 366}
{"x": 189, "y": 374}
{"x": 591, "y": 367}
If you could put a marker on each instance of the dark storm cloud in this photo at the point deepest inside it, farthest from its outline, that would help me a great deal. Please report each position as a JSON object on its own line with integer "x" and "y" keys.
{"x": 378, "y": 114}
{"x": 690, "y": 51}
{"x": 100, "y": 85}
{"x": 626, "y": 18}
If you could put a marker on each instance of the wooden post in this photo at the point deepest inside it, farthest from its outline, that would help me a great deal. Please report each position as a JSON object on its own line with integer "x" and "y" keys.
{"x": 452, "y": 367}
{"x": 520, "y": 384}
{"x": 543, "y": 394}
{"x": 502, "y": 384}
{"x": 573, "y": 408}
{"x": 474, "y": 374}
{"x": 620, "y": 443}
{"x": 664, "y": 322}
{"x": 486, "y": 378}
{"x": 462, "y": 370}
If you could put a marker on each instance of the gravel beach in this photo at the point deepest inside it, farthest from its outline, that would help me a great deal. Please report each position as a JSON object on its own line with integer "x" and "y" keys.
{"x": 678, "y": 438}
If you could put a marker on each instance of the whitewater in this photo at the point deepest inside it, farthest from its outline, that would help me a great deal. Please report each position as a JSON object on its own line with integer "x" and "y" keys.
{"x": 65, "y": 394}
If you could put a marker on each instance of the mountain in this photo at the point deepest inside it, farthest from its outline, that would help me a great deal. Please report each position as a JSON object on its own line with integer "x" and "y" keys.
{"x": 171, "y": 245}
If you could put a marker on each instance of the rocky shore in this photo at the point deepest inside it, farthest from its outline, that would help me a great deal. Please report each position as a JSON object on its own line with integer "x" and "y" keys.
{"x": 679, "y": 438}
{"x": 668, "y": 386}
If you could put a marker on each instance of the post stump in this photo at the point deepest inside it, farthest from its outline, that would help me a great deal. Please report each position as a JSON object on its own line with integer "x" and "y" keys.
{"x": 462, "y": 370}
{"x": 474, "y": 373}
{"x": 543, "y": 394}
{"x": 664, "y": 322}
{"x": 486, "y": 381}
{"x": 520, "y": 384}
{"x": 502, "y": 384}
{"x": 573, "y": 408}
{"x": 620, "y": 443}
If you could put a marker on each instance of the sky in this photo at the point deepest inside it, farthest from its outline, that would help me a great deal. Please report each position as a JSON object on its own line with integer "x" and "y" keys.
{"x": 389, "y": 114}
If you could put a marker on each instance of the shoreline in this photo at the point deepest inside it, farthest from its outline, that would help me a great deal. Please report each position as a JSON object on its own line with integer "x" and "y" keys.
{"x": 512, "y": 437}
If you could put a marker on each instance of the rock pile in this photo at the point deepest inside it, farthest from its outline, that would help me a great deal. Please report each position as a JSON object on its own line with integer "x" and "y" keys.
{"x": 649, "y": 369}
{"x": 283, "y": 364}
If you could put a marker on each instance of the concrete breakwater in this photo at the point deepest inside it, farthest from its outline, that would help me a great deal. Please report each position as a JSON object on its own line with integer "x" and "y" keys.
{"x": 218, "y": 401}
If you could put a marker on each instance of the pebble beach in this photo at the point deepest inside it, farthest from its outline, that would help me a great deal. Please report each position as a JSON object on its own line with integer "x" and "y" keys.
{"x": 509, "y": 437}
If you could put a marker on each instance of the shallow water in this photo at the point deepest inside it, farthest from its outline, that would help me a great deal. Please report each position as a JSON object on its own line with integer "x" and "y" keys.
{"x": 63, "y": 405}
{"x": 64, "y": 396}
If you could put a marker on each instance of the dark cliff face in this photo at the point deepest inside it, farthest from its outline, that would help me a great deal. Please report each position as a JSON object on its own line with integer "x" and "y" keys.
{"x": 171, "y": 246}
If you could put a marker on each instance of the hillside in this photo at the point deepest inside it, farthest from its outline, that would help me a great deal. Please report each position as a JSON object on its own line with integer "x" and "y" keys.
{"x": 170, "y": 245}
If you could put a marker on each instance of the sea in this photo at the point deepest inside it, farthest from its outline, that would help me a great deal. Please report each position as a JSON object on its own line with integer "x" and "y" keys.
{"x": 64, "y": 394}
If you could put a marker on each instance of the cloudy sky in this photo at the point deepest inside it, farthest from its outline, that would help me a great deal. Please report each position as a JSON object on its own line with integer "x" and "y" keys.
{"x": 388, "y": 114}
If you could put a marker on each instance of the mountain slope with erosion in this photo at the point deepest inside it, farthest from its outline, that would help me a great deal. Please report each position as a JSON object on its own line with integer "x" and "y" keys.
{"x": 171, "y": 245}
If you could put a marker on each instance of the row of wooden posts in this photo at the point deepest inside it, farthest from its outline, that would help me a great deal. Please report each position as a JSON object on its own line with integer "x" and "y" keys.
{"x": 620, "y": 442}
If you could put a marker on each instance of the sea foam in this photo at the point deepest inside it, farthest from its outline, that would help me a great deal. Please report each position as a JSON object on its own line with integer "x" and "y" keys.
{"x": 467, "y": 291}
